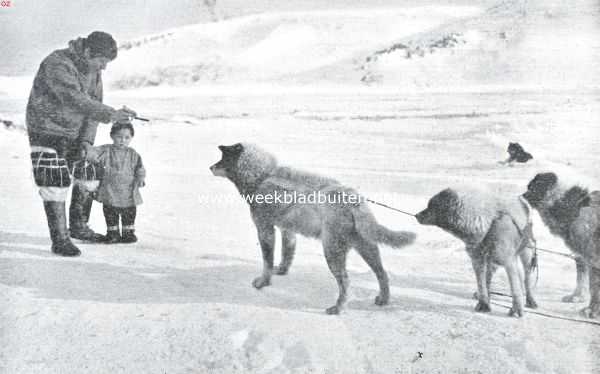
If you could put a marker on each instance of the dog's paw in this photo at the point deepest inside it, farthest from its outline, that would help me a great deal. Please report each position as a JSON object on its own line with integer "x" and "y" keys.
{"x": 333, "y": 310}
{"x": 382, "y": 300}
{"x": 482, "y": 307}
{"x": 515, "y": 312}
{"x": 280, "y": 270}
{"x": 261, "y": 282}
{"x": 574, "y": 298}
{"x": 592, "y": 311}
{"x": 531, "y": 303}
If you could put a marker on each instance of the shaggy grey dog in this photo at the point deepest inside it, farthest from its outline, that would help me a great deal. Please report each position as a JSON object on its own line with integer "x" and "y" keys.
{"x": 339, "y": 223}
{"x": 495, "y": 230}
{"x": 573, "y": 214}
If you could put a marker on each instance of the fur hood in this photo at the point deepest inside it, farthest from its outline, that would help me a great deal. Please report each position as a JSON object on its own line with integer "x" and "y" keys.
{"x": 75, "y": 51}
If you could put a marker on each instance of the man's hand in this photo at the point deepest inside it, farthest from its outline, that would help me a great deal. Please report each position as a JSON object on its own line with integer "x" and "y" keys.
{"x": 139, "y": 182}
{"x": 88, "y": 152}
{"x": 123, "y": 115}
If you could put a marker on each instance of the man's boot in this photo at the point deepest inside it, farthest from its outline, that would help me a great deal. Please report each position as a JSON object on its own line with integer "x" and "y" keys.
{"x": 79, "y": 214}
{"x": 57, "y": 223}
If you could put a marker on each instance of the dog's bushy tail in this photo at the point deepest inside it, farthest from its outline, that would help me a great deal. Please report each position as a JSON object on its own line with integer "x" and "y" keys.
{"x": 369, "y": 229}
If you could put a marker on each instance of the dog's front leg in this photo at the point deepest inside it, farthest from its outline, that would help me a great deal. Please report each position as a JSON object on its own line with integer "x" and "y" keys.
{"x": 266, "y": 237}
{"x": 516, "y": 287}
{"x": 336, "y": 260}
{"x": 527, "y": 256}
{"x": 581, "y": 289}
{"x": 288, "y": 248}
{"x": 593, "y": 310}
{"x": 480, "y": 269}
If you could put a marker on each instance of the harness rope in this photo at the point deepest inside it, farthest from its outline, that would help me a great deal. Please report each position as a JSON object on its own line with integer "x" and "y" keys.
{"x": 389, "y": 207}
{"x": 544, "y": 314}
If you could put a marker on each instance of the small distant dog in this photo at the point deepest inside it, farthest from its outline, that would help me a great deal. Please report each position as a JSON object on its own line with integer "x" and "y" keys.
{"x": 339, "y": 224}
{"x": 516, "y": 153}
{"x": 573, "y": 214}
{"x": 495, "y": 231}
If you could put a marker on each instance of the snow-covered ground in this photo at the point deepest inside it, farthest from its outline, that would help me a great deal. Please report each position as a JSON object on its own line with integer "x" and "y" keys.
{"x": 180, "y": 300}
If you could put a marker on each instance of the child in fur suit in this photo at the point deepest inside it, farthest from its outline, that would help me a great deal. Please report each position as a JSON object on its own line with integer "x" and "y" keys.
{"x": 119, "y": 192}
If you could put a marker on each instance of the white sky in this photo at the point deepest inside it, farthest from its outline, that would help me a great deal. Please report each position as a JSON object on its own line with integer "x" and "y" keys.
{"x": 31, "y": 29}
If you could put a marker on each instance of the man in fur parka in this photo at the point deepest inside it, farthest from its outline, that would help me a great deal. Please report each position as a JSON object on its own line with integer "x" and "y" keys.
{"x": 64, "y": 109}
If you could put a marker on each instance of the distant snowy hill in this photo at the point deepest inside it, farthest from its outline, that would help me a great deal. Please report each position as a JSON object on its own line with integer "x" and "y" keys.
{"x": 548, "y": 43}
{"x": 271, "y": 47}
{"x": 514, "y": 42}
{"x": 399, "y": 45}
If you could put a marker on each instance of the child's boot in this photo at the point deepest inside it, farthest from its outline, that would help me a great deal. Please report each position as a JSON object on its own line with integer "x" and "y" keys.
{"x": 129, "y": 235}
{"x": 112, "y": 235}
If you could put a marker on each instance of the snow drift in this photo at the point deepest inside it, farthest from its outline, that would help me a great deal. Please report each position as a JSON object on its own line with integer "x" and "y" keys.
{"x": 268, "y": 47}
{"x": 516, "y": 42}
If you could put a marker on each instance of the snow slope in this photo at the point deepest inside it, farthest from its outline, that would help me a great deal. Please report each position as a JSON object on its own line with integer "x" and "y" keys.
{"x": 512, "y": 42}
{"x": 550, "y": 44}
{"x": 267, "y": 47}
{"x": 515, "y": 43}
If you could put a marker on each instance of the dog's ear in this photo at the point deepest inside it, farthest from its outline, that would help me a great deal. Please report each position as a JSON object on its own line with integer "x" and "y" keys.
{"x": 591, "y": 199}
{"x": 443, "y": 201}
{"x": 548, "y": 180}
{"x": 586, "y": 201}
{"x": 576, "y": 197}
{"x": 232, "y": 149}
